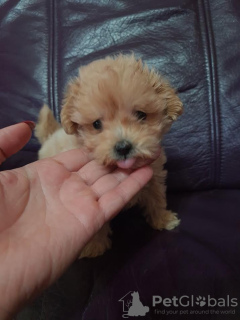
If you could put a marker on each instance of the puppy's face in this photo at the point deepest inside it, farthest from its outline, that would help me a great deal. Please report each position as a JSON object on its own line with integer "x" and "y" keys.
{"x": 120, "y": 110}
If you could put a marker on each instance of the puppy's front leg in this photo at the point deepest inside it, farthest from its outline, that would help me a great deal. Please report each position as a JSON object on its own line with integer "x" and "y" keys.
{"x": 155, "y": 207}
{"x": 99, "y": 243}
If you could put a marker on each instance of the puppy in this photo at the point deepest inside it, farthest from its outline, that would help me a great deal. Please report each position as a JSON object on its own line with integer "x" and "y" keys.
{"x": 119, "y": 111}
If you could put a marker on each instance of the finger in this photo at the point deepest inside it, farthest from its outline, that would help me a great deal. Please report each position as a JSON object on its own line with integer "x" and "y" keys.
{"x": 73, "y": 160}
{"x": 14, "y": 138}
{"x": 3, "y": 157}
{"x": 92, "y": 172}
{"x": 115, "y": 200}
{"x": 109, "y": 181}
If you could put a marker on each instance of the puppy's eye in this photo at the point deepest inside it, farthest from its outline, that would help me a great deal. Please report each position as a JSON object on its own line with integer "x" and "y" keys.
{"x": 97, "y": 124}
{"x": 141, "y": 115}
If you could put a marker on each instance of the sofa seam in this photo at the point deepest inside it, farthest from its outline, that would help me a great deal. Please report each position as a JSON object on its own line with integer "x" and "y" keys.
{"x": 52, "y": 59}
{"x": 216, "y": 105}
{"x": 213, "y": 97}
{"x": 50, "y": 32}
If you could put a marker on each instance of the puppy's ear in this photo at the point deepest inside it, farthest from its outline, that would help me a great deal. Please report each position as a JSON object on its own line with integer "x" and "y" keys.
{"x": 174, "y": 106}
{"x": 68, "y": 108}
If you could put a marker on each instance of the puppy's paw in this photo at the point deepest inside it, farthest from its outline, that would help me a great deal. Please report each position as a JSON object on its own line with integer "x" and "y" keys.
{"x": 172, "y": 221}
{"x": 96, "y": 248}
{"x": 165, "y": 220}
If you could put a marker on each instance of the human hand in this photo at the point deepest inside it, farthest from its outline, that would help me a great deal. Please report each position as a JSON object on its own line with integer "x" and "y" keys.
{"x": 49, "y": 210}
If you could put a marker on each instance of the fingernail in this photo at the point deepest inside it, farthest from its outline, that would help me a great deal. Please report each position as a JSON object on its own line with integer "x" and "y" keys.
{"x": 31, "y": 124}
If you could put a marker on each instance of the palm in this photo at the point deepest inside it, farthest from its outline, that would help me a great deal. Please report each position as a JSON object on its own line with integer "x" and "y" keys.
{"x": 40, "y": 223}
{"x": 50, "y": 197}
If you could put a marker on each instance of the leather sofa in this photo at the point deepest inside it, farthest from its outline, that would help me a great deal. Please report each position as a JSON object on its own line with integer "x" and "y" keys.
{"x": 195, "y": 45}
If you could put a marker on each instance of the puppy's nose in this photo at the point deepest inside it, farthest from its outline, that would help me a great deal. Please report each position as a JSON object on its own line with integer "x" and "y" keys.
{"x": 123, "y": 148}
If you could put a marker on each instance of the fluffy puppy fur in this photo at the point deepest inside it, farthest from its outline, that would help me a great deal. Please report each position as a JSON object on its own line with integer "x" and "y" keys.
{"x": 119, "y": 110}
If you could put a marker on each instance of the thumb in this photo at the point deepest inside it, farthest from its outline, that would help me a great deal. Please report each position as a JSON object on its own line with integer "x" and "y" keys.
{"x": 14, "y": 138}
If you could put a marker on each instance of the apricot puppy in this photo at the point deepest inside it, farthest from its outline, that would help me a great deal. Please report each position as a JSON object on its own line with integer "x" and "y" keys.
{"x": 119, "y": 110}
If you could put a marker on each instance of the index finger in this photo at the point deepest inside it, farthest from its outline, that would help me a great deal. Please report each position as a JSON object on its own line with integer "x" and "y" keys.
{"x": 74, "y": 159}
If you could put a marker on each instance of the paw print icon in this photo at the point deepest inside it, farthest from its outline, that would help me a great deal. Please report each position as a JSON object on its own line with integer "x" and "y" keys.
{"x": 201, "y": 301}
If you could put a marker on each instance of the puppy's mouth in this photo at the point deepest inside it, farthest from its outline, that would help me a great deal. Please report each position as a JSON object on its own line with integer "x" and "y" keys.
{"x": 127, "y": 156}
{"x": 123, "y": 151}
{"x": 126, "y": 164}
{"x": 138, "y": 162}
